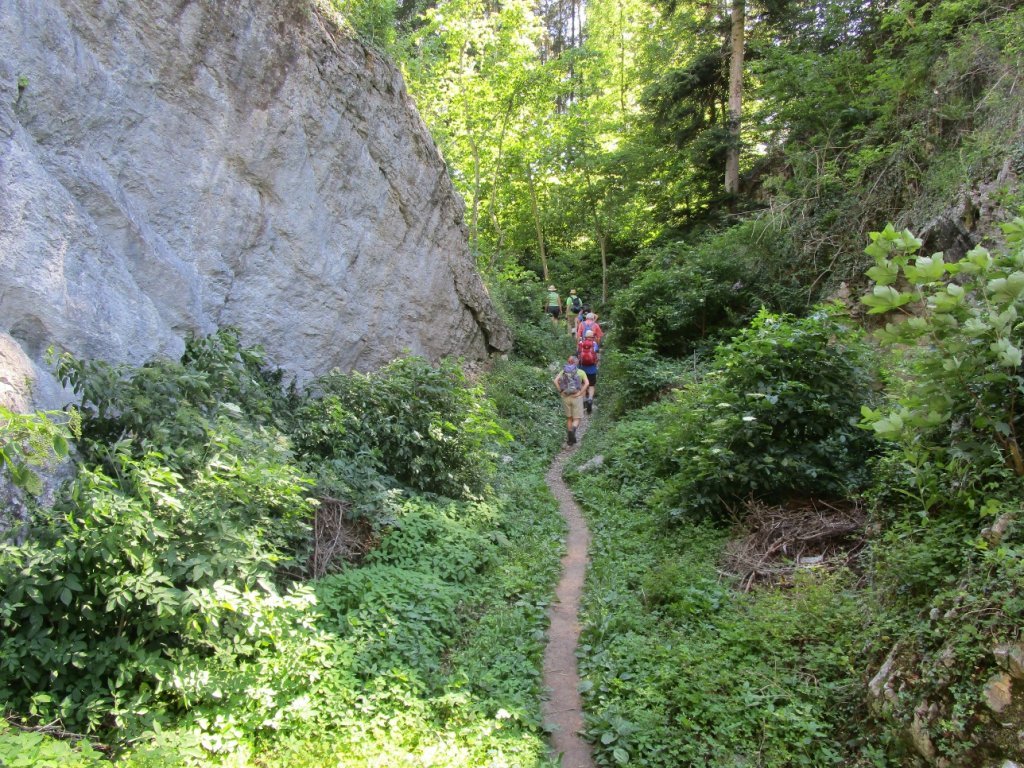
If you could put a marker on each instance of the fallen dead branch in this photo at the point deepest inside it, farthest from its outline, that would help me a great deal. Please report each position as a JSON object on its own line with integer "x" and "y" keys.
{"x": 777, "y": 541}
{"x": 56, "y": 730}
{"x": 337, "y": 538}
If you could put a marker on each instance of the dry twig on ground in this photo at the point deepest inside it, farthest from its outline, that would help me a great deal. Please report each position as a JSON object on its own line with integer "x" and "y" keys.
{"x": 56, "y": 730}
{"x": 779, "y": 540}
{"x": 337, "y": 538}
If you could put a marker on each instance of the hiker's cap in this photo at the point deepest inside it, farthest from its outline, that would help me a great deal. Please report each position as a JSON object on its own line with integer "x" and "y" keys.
{"x": 551, "y": 287}
{"x": 588, "y": 334}
{"x": 572, "y": 292}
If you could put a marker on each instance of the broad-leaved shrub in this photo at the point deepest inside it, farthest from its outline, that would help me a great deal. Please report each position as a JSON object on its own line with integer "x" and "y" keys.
{"x": 773, "y": 417}
{"x": 958, "y": 330}
{"x": 424, "y": 425}
{"x": 691, "y": 297}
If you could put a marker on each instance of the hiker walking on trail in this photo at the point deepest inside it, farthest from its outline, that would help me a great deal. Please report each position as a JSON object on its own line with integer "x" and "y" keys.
{"x": 573, "y": 306}
{"x": 589, "y": 354}
{"x": 554, "y": 305}
{"x": 589, "y": 324}
{"x": 572, "y": 384}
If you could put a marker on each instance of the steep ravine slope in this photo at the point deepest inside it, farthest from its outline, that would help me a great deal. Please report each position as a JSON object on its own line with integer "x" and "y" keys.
{"x": 174, "y": 166}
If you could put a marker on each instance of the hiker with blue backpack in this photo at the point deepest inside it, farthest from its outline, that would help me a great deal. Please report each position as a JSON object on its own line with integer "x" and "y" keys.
{"x": 572, "y": 384}
{"x": 588, "y": 352}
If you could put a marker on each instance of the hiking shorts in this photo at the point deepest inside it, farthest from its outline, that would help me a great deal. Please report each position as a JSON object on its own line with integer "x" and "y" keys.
{"x": 554, "y": 312}
{"x": 591, "y": 376}
{"x": 573, "y": 406}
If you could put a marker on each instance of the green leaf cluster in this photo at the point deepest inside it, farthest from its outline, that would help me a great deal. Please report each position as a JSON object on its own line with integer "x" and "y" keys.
{"x": 423, "y": 425}
{"x": 688, "y": 298}
{"x": 772, "y": 416}
{"x": 26, "y": 749}
{"x": 959, "y": 333}
{"x": 155, "y": 608}
{"x": 34, "y": 441}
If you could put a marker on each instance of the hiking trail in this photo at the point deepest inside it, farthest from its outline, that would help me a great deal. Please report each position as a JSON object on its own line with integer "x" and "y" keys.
{"x": 563, "y": 708}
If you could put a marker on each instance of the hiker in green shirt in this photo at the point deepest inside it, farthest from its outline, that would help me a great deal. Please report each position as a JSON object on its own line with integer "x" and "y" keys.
{"x": 554, "y": 305}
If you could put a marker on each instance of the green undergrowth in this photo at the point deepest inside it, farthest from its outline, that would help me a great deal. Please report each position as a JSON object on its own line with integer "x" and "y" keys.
{"x": 173, "y": 608}
{"x": 681, "y": 668}
{"x": 905, "y": 655}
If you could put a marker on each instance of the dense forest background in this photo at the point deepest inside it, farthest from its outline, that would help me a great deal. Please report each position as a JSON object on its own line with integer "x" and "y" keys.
{"x": 799, "y": 224}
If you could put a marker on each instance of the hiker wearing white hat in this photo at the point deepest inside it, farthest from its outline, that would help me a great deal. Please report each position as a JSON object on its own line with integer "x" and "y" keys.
{"x": 554, "y": 305}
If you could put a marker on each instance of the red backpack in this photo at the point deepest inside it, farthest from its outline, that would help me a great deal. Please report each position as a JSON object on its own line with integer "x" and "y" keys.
{"x": 588, "y": 352}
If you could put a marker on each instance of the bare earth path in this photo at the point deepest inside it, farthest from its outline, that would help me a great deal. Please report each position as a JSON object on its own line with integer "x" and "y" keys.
{"x": 564, "y": 706}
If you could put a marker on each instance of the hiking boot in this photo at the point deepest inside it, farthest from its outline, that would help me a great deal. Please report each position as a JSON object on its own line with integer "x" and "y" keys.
{"x": 588, "y": 406}
{"x": 570, "y": 436}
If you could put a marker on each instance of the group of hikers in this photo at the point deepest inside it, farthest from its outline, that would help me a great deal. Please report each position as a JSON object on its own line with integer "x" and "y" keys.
{"x": 577, "y": 381}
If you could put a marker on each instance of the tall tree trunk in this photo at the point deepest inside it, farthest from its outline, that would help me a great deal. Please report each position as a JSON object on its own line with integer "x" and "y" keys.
{"x": 622, "y": 60}
{"x": 492, "y": 200}
{"x": 536, "y": 220}
{"x": 599, "y": 232}
{"x": 474, "y": 216}
{"x": 732, "y": 158}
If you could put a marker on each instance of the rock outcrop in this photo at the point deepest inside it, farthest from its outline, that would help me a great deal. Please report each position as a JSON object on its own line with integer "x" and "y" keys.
{"x": 175, "y": 166}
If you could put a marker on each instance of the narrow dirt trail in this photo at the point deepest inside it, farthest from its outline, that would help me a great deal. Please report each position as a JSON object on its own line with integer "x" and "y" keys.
{"x": 563, "y": 708}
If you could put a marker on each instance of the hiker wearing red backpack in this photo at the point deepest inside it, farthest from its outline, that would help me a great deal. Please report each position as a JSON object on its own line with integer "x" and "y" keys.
{"x": 589, "y": 354}
{"x": 589, "y": 324}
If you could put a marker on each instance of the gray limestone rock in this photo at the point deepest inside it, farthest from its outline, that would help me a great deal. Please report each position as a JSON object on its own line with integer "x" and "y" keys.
{"x": 175, "y": 167}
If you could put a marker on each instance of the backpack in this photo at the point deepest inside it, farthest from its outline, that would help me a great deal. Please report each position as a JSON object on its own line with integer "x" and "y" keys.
{"x": 576, "y": 303}
{"x": 588, "y": 352}
{"x": 569, "y": 386}
{"x": 582, "y": 328}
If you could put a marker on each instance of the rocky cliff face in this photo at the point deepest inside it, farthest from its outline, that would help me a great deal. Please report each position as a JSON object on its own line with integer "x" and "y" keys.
{"x": 169, "y": 166}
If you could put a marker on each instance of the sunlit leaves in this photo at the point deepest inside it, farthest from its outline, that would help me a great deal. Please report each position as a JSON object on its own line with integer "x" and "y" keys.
{"x": 33, "y": 442}
{"x": 962, "y": 338}
{"x": 884, "y": 298}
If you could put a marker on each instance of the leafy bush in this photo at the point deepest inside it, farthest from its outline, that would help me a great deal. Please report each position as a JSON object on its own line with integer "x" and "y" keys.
{"x": 32, "y": 442}
{"x": 101, "y": 601}
{"x": 774, "y": 417}
{"x": 372, "y": 20}
{"x": 171, "y": 407}
{"x": 421, "y": 424}
{"x": 187, "y": 491}
{"x": 962, "y": 344}
{"x": 689, "y": 298}
{"x": 631, "y": 378}
{"x": 36, "y": 750}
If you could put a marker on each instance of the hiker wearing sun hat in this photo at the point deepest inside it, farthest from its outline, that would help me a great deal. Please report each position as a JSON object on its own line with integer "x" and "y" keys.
{"x": 554, "y": 305}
